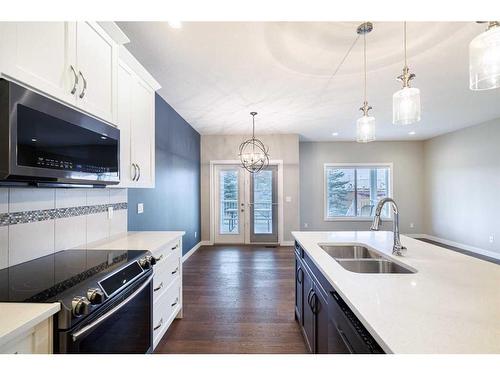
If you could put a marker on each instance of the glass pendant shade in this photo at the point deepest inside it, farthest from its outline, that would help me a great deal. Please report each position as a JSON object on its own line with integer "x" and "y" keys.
{"x": 365, "y": 129}
{"x": 406, "y": 106}
{"x": 484, "y": 60}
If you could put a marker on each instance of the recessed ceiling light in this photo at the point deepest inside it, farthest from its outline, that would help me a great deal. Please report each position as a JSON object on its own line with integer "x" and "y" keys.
{"x": 335, "y": 134}
{"x": 175, "y": 24}
{"x": 412, "y": 133}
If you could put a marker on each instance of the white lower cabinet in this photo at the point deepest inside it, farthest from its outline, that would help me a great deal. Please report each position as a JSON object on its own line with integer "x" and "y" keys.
{"x": 37, "y": 340}
{"x": 167, "y": 288}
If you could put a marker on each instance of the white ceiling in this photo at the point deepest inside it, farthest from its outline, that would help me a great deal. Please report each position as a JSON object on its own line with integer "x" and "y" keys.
{"x": 214, "y": 73}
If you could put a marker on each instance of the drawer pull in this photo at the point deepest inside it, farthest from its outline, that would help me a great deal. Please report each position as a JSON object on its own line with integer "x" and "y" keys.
{"x": 158, "y": 287}
{"x": 159, "y": 258}
{"x": 175, "y": 271}
{"x": 176, "y": 301}
{"x": 175, "y": 247}
{"x": 159, "y": 325}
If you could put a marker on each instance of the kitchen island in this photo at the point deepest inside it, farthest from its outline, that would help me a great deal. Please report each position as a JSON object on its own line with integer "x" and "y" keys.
{"x": 449, "y": 304}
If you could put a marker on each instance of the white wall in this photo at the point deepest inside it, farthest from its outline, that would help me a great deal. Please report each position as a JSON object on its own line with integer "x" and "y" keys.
{"x": 407, "y": 159}
{"x": 462, "y": 186}
{"x": 38, "y": 222}
{"x": 225, "y": 147}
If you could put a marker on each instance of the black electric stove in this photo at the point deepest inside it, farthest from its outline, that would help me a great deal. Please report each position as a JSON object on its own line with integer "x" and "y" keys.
{"x": 101, "y": 292}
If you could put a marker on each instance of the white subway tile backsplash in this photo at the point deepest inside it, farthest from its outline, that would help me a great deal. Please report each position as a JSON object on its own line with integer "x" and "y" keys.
{"x": 4, "y": 200}
{"x": 70, "y": 232}
{"x": 117, "y": 195}
{"x": 30, "y": 240}
{"x": 25, "y": 199}
{"x": 4, "y": 247}
{"x": 97, "y": 226}
{"x": 71, "y": 198}
{"x": 97, "y": 196}
{"x": 118, "y": 224}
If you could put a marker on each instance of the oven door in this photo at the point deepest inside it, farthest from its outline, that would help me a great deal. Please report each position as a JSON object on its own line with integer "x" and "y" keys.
{"x": 124, "y": 327}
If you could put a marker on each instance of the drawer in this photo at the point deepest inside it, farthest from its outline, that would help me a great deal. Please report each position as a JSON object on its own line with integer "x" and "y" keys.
{"x": 164, "y": 308}
{"x": 165, "y": 272}
{"x": 172, "y": 248}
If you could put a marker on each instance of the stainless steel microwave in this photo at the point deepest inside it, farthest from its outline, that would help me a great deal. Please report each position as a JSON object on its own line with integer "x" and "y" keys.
{"x": 44, "y": 142}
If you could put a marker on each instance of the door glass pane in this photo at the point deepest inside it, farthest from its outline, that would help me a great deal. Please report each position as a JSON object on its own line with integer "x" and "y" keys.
{"x": 228, "y": 196}
{"x": 340, "y": 192}
{"x": 263, "y": 199}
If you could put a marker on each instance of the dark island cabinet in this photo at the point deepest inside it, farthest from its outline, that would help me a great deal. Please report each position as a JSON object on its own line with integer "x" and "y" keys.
{"x": 326, "y": 322}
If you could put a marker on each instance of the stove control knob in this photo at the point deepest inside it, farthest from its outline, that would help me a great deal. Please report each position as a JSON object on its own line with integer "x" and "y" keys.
{"x": 80, "y": 306}
{"x": 95, "y": 296}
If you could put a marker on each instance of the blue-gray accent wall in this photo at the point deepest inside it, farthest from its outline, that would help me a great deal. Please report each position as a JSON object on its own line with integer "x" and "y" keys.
{"x": 174, "y": 203}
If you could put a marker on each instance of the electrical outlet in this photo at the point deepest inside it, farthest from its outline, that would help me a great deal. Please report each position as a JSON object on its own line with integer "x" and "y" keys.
{"x": 140, "y": 208}
{"x": 306, "y": 225}
{"x": 195, "y": 234}
{"x": 110, "y": 213}
{"x": 412, "y": 225}
{"x": 492, "y": 238}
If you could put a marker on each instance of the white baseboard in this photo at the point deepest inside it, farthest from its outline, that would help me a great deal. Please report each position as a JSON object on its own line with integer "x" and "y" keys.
{"x": 192, "y": 251}
{"x": 462, "y": 246}
{"x": 287, "y": 243}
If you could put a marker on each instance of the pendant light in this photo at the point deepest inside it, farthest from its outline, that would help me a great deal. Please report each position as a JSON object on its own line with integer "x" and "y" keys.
{"x": 365, "y": 126}
{"x": 254, "y": 156}
{"x": 406, "y": 102}
{"x": 484, "y": 58}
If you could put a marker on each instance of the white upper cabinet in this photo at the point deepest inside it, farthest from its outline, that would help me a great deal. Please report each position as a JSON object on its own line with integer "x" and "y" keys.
{"x": 74, "y": 62}
{"x": 142, "y": 132}
{"x": 136, "y": 121}
{"x": 125, "y": 78}
{"x": 96, "y": 59}
{"x": 41, "y": 55}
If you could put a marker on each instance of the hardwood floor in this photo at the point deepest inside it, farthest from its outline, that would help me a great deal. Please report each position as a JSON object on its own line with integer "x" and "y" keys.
{"x": 237, "y": 299}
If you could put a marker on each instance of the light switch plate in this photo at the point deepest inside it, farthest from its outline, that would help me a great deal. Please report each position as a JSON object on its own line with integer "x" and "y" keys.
{"x": 140, "y": 208}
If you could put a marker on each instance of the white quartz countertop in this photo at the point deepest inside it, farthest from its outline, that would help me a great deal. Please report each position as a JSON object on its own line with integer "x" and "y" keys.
{"x": 144, "y": 240}
{"x": 17, "y": 318}
{"x": 450, "y": 305}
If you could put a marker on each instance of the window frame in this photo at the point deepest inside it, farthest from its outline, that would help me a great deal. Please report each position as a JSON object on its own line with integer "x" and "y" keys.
{"x": 355, "y": 166}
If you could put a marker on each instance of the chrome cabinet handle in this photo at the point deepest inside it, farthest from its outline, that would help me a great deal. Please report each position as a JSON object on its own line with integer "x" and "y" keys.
{"x": 75, "y": 82}
{"x": 159, "y": 325}
{"x": 175, "y": 271}
{"x": 135, "y": 172}
{"x": 82, "y": 94}
{"x": 175, "y": 247}
{"x": 158, "y": 287}
{"x": 176, "y": 301}
{"x": 139, "y": 168}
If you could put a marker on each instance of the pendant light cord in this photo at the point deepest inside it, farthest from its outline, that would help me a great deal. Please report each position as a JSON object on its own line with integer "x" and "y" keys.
{"x": 364, "y": 52}
{"x": 405, "y": 42}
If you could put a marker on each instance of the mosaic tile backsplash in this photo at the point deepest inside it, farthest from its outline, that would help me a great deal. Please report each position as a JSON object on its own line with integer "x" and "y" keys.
{"x": 37, "y": 222}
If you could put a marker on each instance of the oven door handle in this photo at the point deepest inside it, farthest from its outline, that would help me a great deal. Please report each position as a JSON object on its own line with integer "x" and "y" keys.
{"x": 105, "y": 316}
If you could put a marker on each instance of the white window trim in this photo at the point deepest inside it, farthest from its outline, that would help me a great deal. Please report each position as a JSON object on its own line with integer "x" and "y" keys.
{"x": 355, "y": 165}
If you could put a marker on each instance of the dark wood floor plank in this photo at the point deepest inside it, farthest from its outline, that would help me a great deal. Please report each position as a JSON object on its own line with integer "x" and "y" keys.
{"x": 237, "y": 299}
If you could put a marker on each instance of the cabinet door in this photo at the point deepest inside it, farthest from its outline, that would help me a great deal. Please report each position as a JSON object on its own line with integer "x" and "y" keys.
{"x": 320, "y": 304}
{"x": 308, "y": 318}
{"x": 142, "y": 132}
{"x": 41, "y": 55}
{"x": 299, "y": 278}
{"x": 97, "y": 61}
{"x": 125, "y": 78}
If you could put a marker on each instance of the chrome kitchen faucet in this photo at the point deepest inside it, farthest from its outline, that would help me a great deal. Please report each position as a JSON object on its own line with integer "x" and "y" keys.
{"x": 397, "y": 249}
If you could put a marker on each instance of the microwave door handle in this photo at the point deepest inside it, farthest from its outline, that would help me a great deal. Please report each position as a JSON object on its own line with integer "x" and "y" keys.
{"x": 75, "y": 336}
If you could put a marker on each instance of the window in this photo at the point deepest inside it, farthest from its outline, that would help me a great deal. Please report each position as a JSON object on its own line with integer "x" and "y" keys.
{"x": 352, "y": 191}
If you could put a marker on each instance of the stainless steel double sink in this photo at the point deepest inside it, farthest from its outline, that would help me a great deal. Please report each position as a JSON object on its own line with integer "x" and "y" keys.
{"x": 360, "y": 259}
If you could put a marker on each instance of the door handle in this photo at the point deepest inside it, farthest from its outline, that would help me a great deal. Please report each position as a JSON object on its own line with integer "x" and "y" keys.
{"x": 135, "y": 172}
{"x": 299, "y": 272}
{"x": 139, "y": 168}
{"x": 82, "y": 94}
{"x": 75, "y": 82}
{"x": 175, "y": 302}
{"x": 175, "y": 271}
{"x": 160, "y": 323}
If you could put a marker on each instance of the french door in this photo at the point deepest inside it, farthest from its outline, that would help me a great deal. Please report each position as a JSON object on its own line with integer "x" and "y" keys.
{"x": 246, "y": 205}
